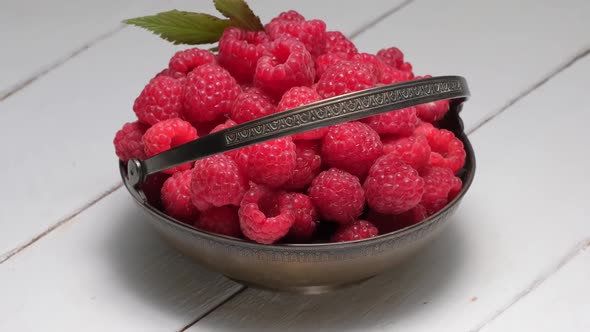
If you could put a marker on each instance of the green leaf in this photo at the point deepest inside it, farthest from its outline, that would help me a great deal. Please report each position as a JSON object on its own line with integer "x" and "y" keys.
{"x": 240, "y": 12}
{"x": 181, "y": 27}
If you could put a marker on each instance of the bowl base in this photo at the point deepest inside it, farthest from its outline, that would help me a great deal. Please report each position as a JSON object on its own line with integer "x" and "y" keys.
{"x": 304, "y": 290}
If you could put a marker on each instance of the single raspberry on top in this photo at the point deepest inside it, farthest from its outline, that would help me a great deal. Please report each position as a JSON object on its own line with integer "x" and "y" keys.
{"x": 222, "y": 220}
{"x": 440, "y": 187}
{"x": 251, "y": 105}
{"x": 176, "y": 197}
{"x": 309, "y": 164}
{"x": 387, "y": 223}
{"x": 338, "y": 195}
{"x": 287, "y": 64}
{"x": 358, "y": 230}
{"x": 391, "y": 56}
{"x": 305, "y": 213}
{"x": 210, "y": 92}
{"x": 300, "y": 96}
{"x": 161, "y": 99}
{"x": 128, "y": 142}
{"x": 262, "y": 218}
{"x": 167, "y": 134}
{"x": 337, "y": 42}
{"x": 413, "y": 150}
{"x": 447, "y": 150}
{"x": 217, "y": 181}
{"x": 325, "y": 61}
{"x": 239, "y": 51}
{"x": 352, "y": 147}
{"x": 270, "y": 163}
{"x": 290, "y": 15}
{"x": 392, "y": 186}
{"x": 311, "y": 33}
{"x": 400, "y": 122}
{"x": 186, "y": 60}
{"x": 345, "y": 77}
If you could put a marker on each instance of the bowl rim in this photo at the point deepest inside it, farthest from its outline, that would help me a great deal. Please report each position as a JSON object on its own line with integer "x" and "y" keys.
{"x": 161, "y": 216}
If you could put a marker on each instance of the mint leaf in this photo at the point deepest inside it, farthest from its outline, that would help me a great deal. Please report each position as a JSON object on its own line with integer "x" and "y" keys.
{"x": 181, "y": 27}
{"x": 240, "y": 12}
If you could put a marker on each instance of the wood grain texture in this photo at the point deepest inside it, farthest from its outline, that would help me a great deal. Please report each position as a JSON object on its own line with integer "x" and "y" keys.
{"x": 105, "y": 271}
{"x": 522, "y": 216}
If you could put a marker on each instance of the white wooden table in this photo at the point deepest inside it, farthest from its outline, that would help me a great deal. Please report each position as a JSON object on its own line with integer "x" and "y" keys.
{"x": 76, "y": 256}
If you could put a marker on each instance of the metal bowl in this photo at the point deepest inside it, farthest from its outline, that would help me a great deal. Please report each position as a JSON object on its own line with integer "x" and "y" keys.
{"x": 307, "y": 268}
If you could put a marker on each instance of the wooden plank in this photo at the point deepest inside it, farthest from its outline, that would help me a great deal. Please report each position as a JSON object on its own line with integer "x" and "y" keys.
{"x": 525, "y": 212}
{"x": 502, "y": 47}
{"x": 559, "y": 304}
{"x": 105, "y": 271}
{"x": 73, "y": 113}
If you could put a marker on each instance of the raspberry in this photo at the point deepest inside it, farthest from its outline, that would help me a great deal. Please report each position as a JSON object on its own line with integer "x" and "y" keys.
{"x": 290, "y": 15}
{"x": 306, "y": 216}
{"x": 400, "y": 122}
{"x": 239, "y": 51}
{"x": 413, "y": 150}
{"x": 250, "y": 105}
{"x": 325, "y": 61}
{"x": 371, "y": 61}
{"x": 128, "y": 143}
{"x": 204, "y": 128}
{"x": 167, "y": 134}
{"x": 390, "y": 75}
{"x": 392, "y": 186}
{"x": 311, "y": 33}
{"x": 358, "y": 230}
{"x": 262, "y": 218}
{"x": 152, "y": 189}
{"x": 387, "y": 223}
{"x": 161, "y": 99}
{"x": 392, "y": 57}
{"x": 440, "y": 187}
{"x": 352, "y": 147}
{"x": 345, "y": 77}
{"x": 434, "y": 110}
{"x": 270, "y": 163}
{"x": 176, "y": 197}
{"x": 447, "y": 150}
{"x": 309, "y": 164}
{"x": 171, "y": 73}
{"x": 338, "y": 195}
{"x": 217, "y": 181}
{"x": 299, "y": 96}
{"x": 337, "y": 42}
{"x": 222, "y": 220}
{"x": 288, "y": 64}
{"x": 189, "y": 59}
{"x": 210, "y": 92}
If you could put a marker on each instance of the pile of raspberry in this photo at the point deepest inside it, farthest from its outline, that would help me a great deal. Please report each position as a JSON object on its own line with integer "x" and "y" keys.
{"x": 346, "y": 182}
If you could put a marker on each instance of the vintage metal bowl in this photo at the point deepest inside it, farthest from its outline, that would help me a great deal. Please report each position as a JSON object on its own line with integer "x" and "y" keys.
{"x": 310, "y": 268}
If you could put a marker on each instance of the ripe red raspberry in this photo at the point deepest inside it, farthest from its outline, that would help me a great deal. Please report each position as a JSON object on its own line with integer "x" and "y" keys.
{"x": 306, "y": 216}
{"x": 270, "y": 163}
{"x": 128, "y": 143}
{"x": 262, "y": 218}
{"x": 176, "y": 197}
{"x": 352, "y": 147}
{"x": 387, "y": 223}
{"x": 337, "y": 42}
{"x": 392, "y": 186}
{"x": 325, "y": 61}
{"x": 210, "y": 92}
{"x": 413, "y": 150}
{"x": 440, "y": 187}
{"x": 240, "y": 50}
{"x": 371, "y": 61}
{"x": 186, "y": 60}
{"x": 432, "y": 111}
{"x": 345, "y": 77}
{"x": 309, "y": 163}
{"x": 311, "y": 33}
{"x": 337, "y": 195}
{"x": 222, "y": 220}
{"x": 400, "y": 122}
{"x": 389, "y": 75}
{"x": 171, "y": 73}
{"x": 152, "y": 189}
{"x": 287, "y": 64}
{"x": 290, "y": 15}
{"x": 358, "y": 230}
{"x": 447, "y": 150}
{"x": 300, "y": 96}
{"x": 217, "y": 181}
{"x": 392, "y": 57}
{"x": 161, "y": 99}
{"x": 250, "y": 105}
{"x": 167, "y": 134}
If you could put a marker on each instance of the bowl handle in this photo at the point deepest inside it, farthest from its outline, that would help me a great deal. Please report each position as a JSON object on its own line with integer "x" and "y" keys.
{"x": 327, "y": 112}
